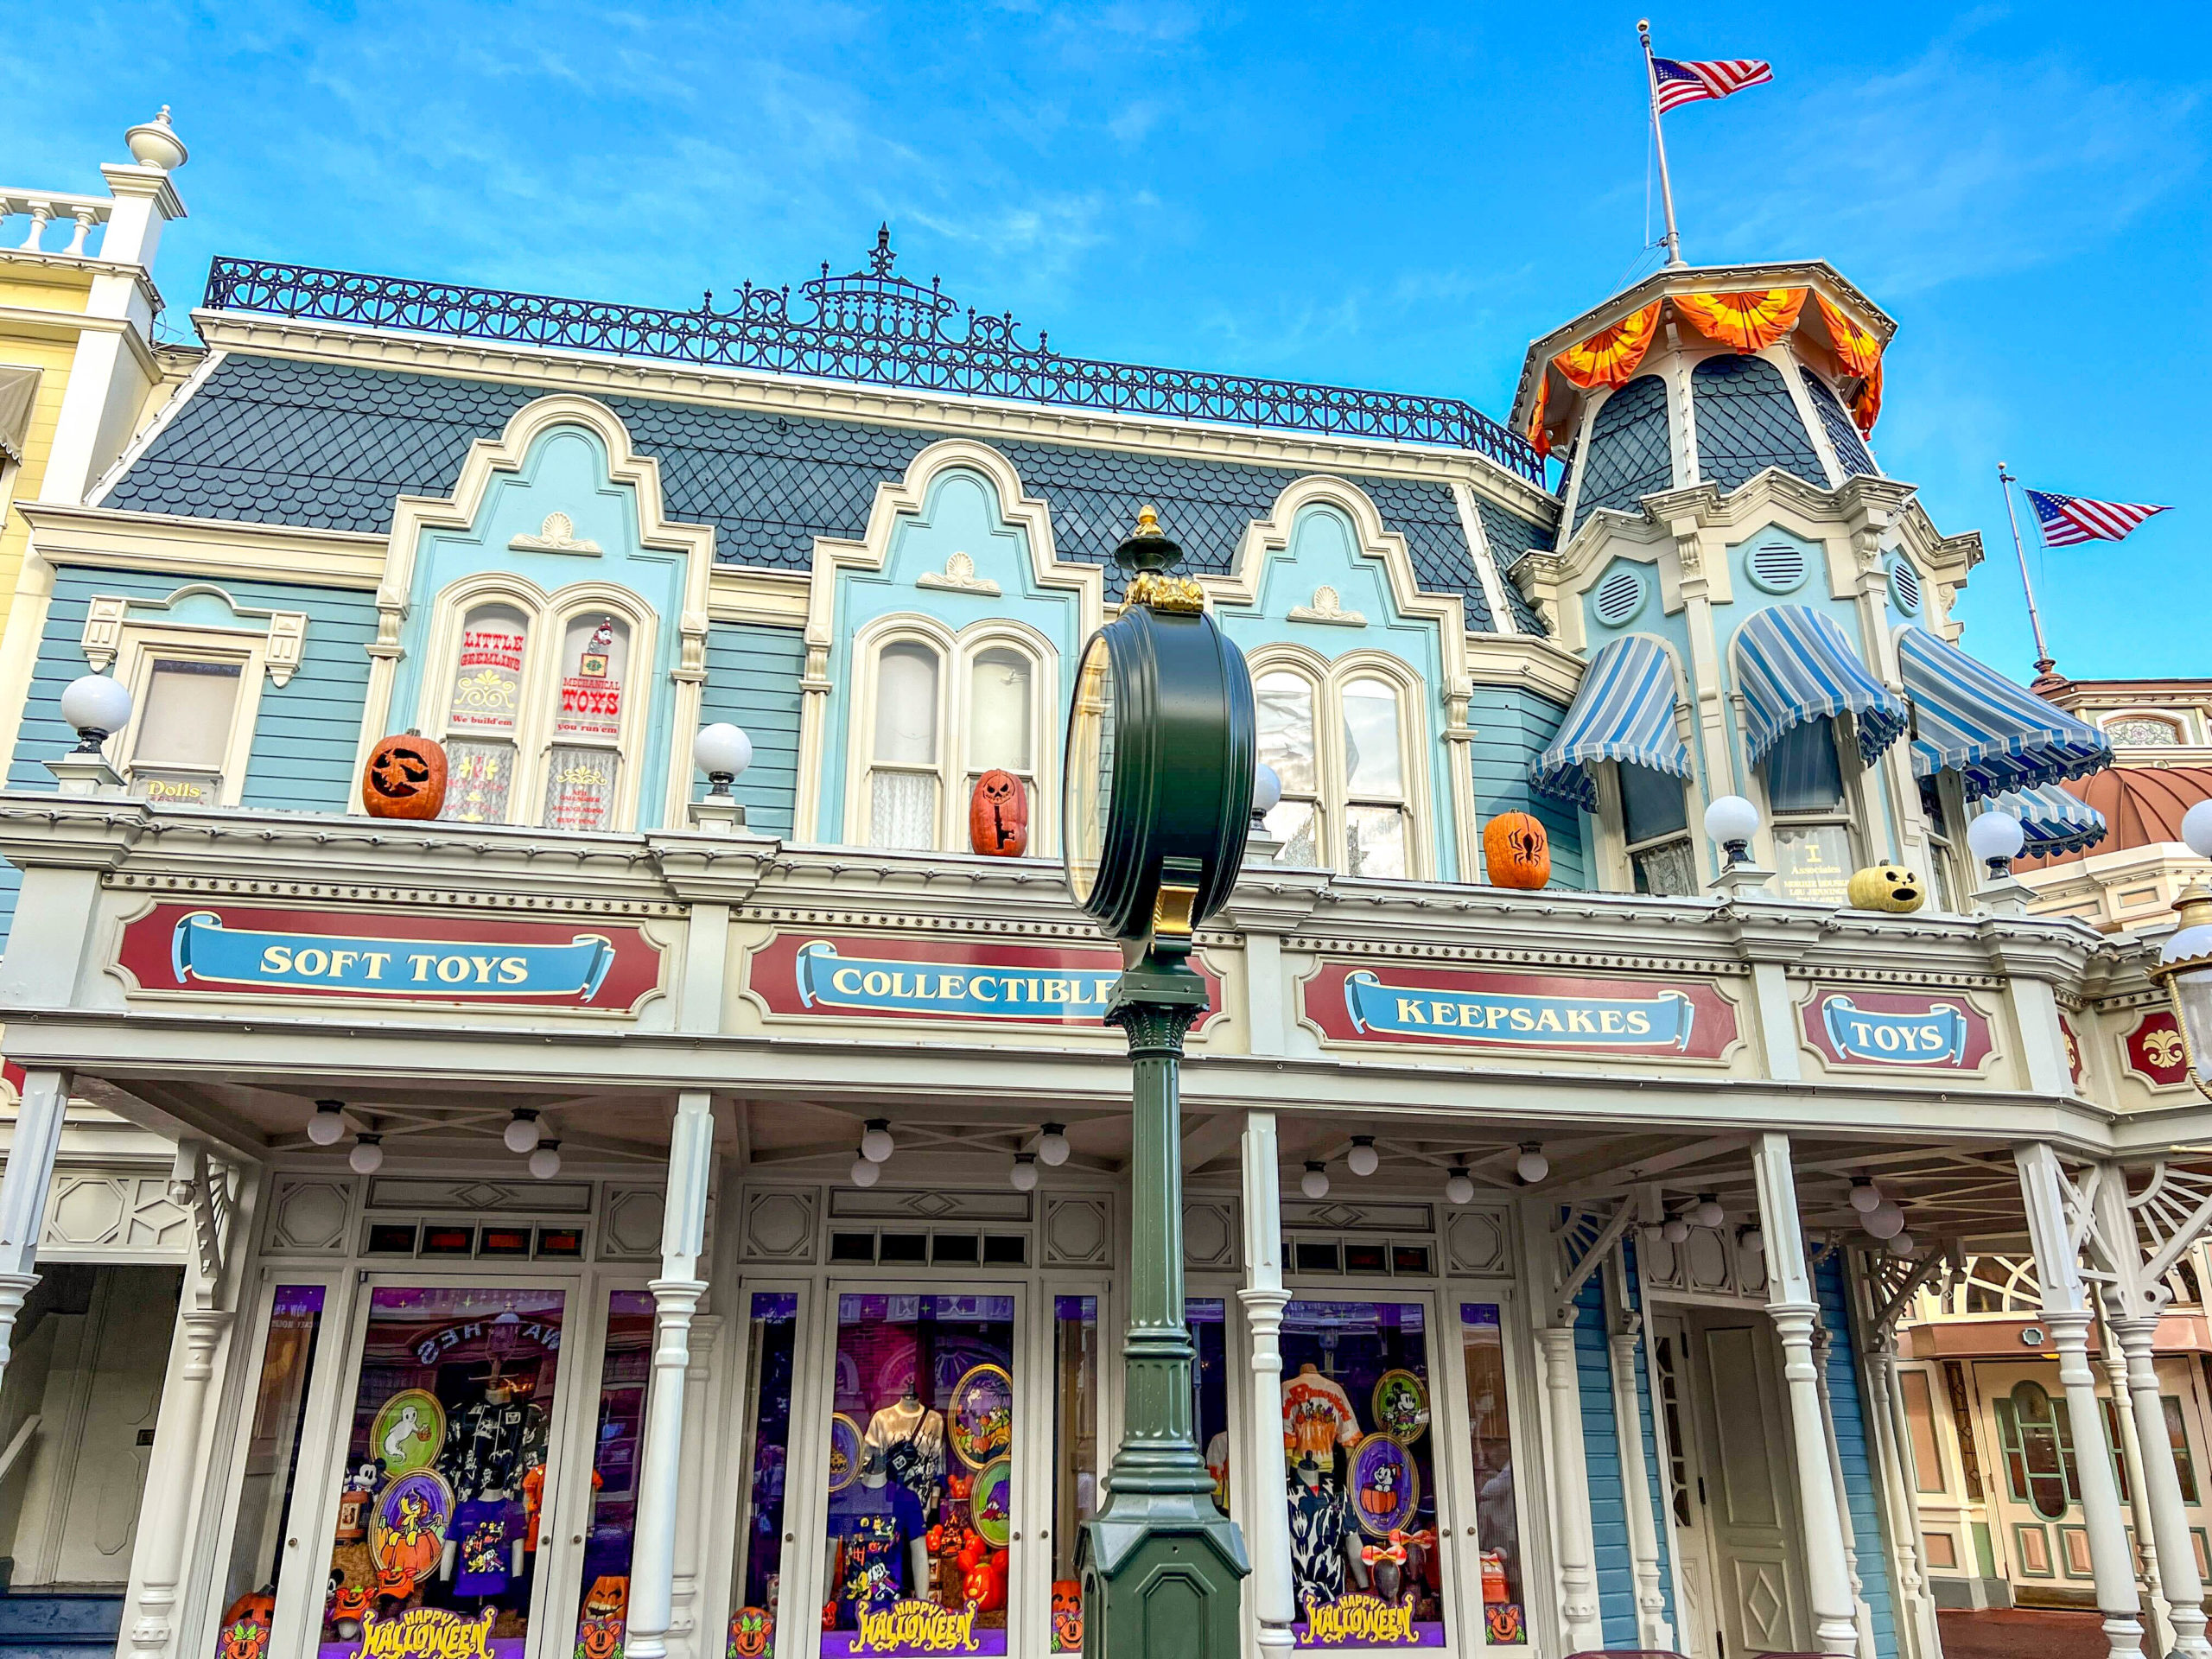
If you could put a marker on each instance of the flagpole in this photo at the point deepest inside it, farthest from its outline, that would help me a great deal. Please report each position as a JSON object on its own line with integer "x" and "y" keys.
{"x": 1659, "y": 137}
{"x": 2043, "y": 663}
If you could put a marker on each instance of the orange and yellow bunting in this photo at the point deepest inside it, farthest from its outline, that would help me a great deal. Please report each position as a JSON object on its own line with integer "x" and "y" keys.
{"x": 1611, "y": 356}
{"x": 1750, "y": 322}
{"x": 1540, "y": 440}
{"x": 1859, "y": 352}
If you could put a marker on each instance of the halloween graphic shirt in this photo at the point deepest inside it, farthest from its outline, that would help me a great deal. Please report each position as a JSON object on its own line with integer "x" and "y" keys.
{"x": 1317, "y": 1419}
{"x": 484, "y": 1532}
{"x": 872, "y": 1525}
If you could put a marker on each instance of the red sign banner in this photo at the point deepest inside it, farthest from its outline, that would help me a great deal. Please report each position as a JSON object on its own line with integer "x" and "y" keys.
{"x": 1552, "y": 1013}
{"x": 369, "y": 956}
{"x": 1896, "y": 1030}
{"x": 2154, "y": 1049}
{"x": 967, "y": 981}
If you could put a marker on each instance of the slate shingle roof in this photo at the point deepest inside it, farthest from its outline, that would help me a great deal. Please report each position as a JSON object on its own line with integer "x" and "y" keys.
{"x": 329, "y": 445}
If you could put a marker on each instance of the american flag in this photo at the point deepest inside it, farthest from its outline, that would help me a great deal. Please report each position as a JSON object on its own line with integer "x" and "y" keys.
{"x": 1676, "y": 82}
{"x": 2065, "y": 519}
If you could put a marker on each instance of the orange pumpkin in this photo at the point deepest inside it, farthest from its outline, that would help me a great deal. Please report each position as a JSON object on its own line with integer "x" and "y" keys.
{"x": 1518, "y": 851}
{"x": 246, "y": 1622}
{"x": 405, "y": 779}
{"x": 608, "y": 1597}
{"x": 599, "y": 1638}
{"x": 751, "y": 1630}
{"x": 1067, "y": 1615}
{"x": 998, "y": 815}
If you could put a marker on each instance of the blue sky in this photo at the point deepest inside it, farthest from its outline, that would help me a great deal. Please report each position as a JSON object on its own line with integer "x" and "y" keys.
{"x": 1396, "y": 197}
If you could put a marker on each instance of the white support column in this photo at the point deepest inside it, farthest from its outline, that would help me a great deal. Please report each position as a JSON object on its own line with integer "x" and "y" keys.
{"x": 1823, "y": 1356}
{"x": 2053, "y": 1239}
{"x": 163, "y": 1522}
{"x": 1794, "y": 1310}
{"x": 23, "y": 1194}
{"x": 676, "y": 1299}
{"x": 684, "y": 1638}
{"x": 1268, "y": 1534}
{"x": 1652, "y": 1628}
{"x": 1573, "y": 1539}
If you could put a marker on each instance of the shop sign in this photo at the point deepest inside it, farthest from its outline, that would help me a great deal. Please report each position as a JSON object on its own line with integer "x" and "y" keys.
{"x": 1548, "y": 1012}
{"x": 846, "y": 976}
{"x": 2154, "y": 1049}
{"x": 237, "y": 950}
{"x": 1894, "y": 1029}
{"x": 427, "y": 1633}
{"x": 1364, "y": 1621}
{"x": 914, "y": 1627}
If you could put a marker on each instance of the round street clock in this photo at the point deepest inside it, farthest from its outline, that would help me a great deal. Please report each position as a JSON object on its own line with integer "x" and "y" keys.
{"x": 1160, "y": 751}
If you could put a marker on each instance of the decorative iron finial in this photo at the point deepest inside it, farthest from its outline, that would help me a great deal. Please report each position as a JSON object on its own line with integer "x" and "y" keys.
{"x": 1147, "y": 555}
{"x": 881, "y": 261}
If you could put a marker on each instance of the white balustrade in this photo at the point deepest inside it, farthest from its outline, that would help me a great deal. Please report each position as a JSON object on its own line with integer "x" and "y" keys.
{"x": 41, "y": 209}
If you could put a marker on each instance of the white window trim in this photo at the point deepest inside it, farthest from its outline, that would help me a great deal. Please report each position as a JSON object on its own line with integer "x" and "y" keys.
{"x": 957, "y": 651}
{"x": 1850, "y": 812}
{"x": 548, "y": 616}
{"x": 140, "y": 644}
{"x": 1328, "y": 677}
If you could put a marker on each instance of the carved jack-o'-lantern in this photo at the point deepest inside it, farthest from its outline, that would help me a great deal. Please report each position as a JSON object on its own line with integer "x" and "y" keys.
{"x": 1516, "y": 851}
{"x": 983, "y": 1587}
{"x": 405, "y": 779}
{"x": 751, "y": 1630}
{"x": 608, "y": 1597}
{"x": 1067, "y": 1615}
{"x": 998, "y": 815}
{"x": 1886, "y": 886}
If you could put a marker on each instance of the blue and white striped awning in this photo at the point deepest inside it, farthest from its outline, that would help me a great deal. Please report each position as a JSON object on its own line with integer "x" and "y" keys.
{"x": 1624, "y": 711}
{"x": 2054, "y": 820}
{"x": 1997, "y": 735}
{"x": 1794, "y": 664}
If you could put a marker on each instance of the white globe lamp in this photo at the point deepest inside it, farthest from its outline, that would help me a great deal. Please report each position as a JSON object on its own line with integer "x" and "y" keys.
{"x": 1754, "y": 1242}
{"x": 722, "y": 751}
{"x": 521, "y": 1133}
{"x": 1315, "y": 1183}
{"x": 1886, "y": 1220}
{"x": 1460, "y": 1186}
{"x": 866, "y": 1172}
{"x": 327, "y": 1127}
{"x": 1052, "y": 1146}
{"x": 1675, "y": 1231}
{"x": 1866, "y": 1197}
{"x": 545, "y": 1160}
{"x": 95, "y": 708}
{"x": 1363, "y": 1160}
{"x": 876, "y": 1145}
{"x": 367, "y": 1155}
{"x": 1902, "y": 1244}
{"x": 1025, "y": 1172}
{"x": 1996, "y": 838}
{"x": 1732, "y": 821}
{"x": 1532, "y": 1165}
{"x": 1707, "y": 1211}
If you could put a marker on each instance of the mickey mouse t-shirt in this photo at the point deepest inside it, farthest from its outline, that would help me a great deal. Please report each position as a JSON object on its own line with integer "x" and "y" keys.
{"x": 484, "y": 1531}
{"x": 874, "y": 1524}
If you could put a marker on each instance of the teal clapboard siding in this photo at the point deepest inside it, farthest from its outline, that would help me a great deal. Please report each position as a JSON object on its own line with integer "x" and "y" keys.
{"x": 1511, "y": 729}
{"x": 305, "y": 732}
{"x": 1601, "y": 1455}
{"x": 753, "y": 675}
{"x": 1856, "y": 1455}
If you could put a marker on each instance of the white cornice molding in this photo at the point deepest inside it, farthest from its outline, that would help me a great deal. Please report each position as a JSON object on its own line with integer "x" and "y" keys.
{"x": 233, "y": 549}
{"x": 63, "y": 327}
{"x": 852, "y": 401}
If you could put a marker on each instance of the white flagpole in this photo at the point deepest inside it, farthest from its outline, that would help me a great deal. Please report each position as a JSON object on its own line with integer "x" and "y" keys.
{"x": 1658, "y": 137}
{"x": 2043, "y": 661}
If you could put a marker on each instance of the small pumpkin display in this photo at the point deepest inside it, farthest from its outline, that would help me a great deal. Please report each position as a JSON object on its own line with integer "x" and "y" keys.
{"x": 246, "y": 1624}
{"x": 751, "y": 1630}
{"x": 599, "y": 1638}
{"x": 998, "y": 815}
{"x": 1516, "y": 851}
{"x": 405, "y": 777}
{"x": 1067, "y": 1615}
{"x": 1886, "y": 886}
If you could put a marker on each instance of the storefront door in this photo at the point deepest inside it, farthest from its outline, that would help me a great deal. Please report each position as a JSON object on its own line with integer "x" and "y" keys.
{"x": 1697, "y": 1615}
{"x": 1751, "y": 1507}
{"x": 2039, "y": 1501}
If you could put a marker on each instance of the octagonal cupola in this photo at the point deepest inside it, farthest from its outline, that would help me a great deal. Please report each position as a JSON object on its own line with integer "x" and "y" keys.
{"x": 1708, "y": 374}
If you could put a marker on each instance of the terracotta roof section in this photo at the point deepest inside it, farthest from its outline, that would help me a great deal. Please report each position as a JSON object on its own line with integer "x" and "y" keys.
{"x": 2142, "y": 805}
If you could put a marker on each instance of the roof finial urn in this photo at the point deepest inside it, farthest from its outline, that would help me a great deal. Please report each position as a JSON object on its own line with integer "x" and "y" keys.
{"x": 155, "y": 144}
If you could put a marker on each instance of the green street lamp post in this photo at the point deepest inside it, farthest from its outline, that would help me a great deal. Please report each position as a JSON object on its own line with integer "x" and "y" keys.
{"x": 1158, "y": 769}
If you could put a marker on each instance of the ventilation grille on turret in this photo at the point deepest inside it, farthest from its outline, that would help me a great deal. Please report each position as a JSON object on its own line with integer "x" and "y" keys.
{"x": 1778, "y": 566}
{"x": 1619, "y": 597}
{"x": 1905, "y": 587}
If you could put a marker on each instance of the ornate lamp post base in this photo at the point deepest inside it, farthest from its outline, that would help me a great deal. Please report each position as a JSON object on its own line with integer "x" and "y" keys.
{"x": 1160, "y": 1563}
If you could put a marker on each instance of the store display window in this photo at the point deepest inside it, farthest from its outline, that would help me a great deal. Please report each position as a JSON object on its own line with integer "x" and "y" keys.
{"x": 437, "y": 1549}
{"x": 272, "y": 1464}
{"x": 1207, "y": 1317}
{"x": 1490, "y": 1438}
{"x": 1365, "y": 1569}
{"x": 765, "y": 1413}
{"x": 1075, "y": 1456}
{"x": 921, "y": 1476}
{"x": 603, "y": 1600}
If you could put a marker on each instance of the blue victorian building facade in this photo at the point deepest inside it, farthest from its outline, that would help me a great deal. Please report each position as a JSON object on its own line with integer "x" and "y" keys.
{"x": 610, "y": 1208}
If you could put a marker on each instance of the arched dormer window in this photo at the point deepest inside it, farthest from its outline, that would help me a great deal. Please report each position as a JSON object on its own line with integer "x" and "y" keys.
{"x": 936, "y": 712}
{"x": 537, "y": 707}
{"x": 1338, "y": 738}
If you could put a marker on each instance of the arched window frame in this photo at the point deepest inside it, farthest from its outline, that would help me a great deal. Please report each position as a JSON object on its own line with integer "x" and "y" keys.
{"x": 1333, "y": 799}
{"x": 547, "y": 617}
{"x": 957, "y": 651}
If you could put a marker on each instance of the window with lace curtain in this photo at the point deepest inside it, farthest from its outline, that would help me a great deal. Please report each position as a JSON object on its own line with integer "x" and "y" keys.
{"x": 938, "y": 717}
{"x": 1338, "y": 746}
